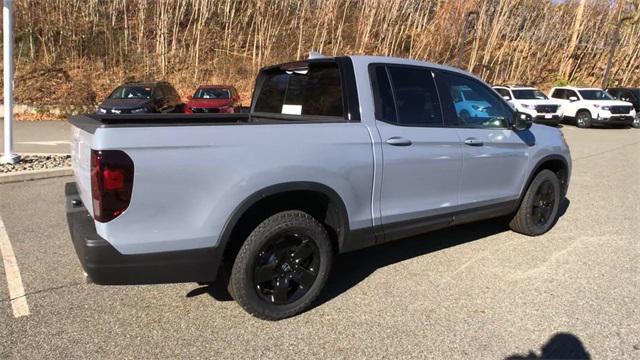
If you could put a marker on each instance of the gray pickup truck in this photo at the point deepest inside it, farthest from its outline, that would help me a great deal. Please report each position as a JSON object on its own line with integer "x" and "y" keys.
{"x": 336, "y": 154}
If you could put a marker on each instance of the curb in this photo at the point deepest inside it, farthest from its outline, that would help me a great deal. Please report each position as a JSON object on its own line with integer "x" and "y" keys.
{"x": 21, "y": 176}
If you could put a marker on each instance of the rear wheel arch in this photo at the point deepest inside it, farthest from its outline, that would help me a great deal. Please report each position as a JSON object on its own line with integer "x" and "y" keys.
{"x": 316, "y": 199}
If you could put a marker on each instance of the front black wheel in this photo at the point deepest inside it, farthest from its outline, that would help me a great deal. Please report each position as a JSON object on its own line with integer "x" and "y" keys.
{"x": 636, "y": 122}
{"x": 282, "y": 266}
{"x": 583, "y": 119}
{"x": 539, "y": 207}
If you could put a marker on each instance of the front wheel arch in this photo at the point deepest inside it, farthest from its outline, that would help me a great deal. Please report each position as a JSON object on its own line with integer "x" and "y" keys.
{"x": 556, "y": 163}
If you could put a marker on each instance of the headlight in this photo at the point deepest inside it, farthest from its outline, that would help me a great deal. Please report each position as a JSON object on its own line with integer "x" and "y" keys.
{"x": 101, "y": 111}
{"x": 528, "y": 106}
{"x": 138, "y": 111}
{"x": 479, "y": 108}
{"x": 605, "y": 108}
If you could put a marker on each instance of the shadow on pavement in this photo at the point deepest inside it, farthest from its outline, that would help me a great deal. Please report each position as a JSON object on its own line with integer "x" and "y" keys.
{"x": 560, "y": 346}
{"x": 351, "y": 268}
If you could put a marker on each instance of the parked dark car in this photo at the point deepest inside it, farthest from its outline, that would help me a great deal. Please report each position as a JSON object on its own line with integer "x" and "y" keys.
{"x": 142, "y": 97}
{"x": 214, "y": 99}
{"x": 631, "y": 95}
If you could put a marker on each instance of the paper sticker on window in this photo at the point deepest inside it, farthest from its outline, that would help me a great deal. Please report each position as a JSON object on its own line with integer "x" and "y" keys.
{"x": 292, "y": 109}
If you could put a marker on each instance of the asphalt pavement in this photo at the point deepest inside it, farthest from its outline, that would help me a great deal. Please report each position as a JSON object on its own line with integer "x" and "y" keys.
{"x": 39, "y": 136}
{"x": 477, "y": 291}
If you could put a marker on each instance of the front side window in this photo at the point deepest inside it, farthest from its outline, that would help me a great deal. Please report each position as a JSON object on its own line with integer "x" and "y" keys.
{"x": 570, "y": 93}
{"x": 472, "y": 103}
{"x": 529, "y": 94}
{"x": 559, "y": 94}
{"x": 595, "y": 95}
{"x": 312, "y": 90}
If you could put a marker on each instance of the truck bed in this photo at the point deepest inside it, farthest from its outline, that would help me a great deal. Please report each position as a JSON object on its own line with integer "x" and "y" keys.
{"x": 90, "y": 122}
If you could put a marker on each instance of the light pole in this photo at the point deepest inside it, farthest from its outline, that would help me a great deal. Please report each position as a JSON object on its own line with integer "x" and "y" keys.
{"x": 612, "y": 51}
{"x": 463, "y": 35}
{"x": 7, "y": 45}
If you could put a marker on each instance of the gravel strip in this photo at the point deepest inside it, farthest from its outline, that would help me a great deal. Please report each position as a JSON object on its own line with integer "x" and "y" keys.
{"x": 37, "y": 162}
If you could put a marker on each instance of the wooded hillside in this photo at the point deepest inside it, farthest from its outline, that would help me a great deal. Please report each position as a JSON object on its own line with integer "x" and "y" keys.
{"x": 75, "y": 51}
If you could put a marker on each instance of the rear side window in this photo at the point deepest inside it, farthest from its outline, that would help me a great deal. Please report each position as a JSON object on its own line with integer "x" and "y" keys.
{"x": 312, "y": 90}
{"x": 406, "y": 96}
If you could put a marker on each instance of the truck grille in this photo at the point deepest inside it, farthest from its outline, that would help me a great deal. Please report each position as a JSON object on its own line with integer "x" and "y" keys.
{"x": 620, "y": 109}
{"x": 205, "y": 110}
{"x": 546, "y": 109}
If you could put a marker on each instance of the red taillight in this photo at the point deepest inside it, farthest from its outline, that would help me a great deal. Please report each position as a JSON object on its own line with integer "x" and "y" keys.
{"x": 111, "y": 183}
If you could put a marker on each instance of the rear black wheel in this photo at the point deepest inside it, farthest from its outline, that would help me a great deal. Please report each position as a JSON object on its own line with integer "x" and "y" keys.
{"x": 539, "y": 207}
{"x": 282, "y": 267}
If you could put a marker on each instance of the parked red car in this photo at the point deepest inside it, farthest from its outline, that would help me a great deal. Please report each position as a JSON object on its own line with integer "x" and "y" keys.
{"x": 213, "y": 99}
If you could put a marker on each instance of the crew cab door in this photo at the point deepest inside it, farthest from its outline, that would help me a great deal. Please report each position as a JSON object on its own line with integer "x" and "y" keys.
{"x": 421, "y": 158}
{"x": 494, "y": 157}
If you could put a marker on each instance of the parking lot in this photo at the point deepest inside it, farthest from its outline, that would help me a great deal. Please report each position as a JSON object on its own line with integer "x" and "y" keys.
{"x": 476, "y": 291}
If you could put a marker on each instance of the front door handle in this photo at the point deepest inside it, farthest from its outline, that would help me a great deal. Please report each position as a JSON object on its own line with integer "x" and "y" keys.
{"x": 398, "y": 141}
{"x": 473, "y": 142}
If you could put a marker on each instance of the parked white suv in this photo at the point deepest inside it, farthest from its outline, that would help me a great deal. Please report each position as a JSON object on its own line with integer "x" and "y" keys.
{"x": 532, "y": 101}
{"x": 592, "y": 106}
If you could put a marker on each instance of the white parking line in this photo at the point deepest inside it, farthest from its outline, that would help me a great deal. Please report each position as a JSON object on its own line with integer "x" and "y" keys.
{"x": 14, "y": 280}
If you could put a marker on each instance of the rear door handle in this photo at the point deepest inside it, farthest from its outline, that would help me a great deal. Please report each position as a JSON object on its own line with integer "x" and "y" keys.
{"x": 473, "y": 142}
{"x": 398, "y": 141}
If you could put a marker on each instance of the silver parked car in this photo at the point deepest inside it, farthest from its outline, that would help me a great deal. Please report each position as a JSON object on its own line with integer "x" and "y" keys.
{"x": 336, "y": 154}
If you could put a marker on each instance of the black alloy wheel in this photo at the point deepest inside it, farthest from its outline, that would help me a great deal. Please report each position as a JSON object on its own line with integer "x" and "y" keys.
{"x": 543, "y": 203}
{"x": 282, "y": 266}
{"x": 538, "y": 210}
{"x": 286, "y": 268}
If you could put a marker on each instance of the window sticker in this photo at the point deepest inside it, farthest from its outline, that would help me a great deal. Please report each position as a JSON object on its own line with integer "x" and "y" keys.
{"x": 292, "y": 109}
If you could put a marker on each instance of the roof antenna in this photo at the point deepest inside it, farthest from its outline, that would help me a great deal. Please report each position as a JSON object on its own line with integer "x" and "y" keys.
{"x": 316, "y": 55}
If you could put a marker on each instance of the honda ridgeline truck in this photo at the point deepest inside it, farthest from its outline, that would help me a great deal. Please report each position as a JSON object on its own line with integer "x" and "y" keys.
{"x": 336, "y": 154}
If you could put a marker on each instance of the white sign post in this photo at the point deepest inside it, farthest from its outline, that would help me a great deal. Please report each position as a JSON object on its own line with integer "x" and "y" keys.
{"x": 7, "y": 33}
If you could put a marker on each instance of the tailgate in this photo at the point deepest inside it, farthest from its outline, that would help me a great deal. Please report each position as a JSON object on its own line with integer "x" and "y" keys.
{"x": 81, "y": 164}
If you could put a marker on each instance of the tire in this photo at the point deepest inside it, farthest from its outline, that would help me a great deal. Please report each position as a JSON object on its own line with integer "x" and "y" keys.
{"x": 636, "y": 123}
{"x": 583, "y": 119}
{"x": 539, "y": 207}
{"x": 282, "y": 266}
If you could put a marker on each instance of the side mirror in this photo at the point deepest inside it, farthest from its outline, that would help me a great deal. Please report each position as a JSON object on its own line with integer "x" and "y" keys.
{"x": 522, "y": 121}
{"x": 189, "y": 97}
{"x": 573, "y": 98}
{"x": 506, "y": 98}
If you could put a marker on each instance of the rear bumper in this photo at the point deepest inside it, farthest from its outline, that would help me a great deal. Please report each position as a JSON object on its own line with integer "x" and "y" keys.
{"x": 107, "y": 266}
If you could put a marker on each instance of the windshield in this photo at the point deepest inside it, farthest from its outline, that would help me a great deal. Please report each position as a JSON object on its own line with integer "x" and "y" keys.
{"x": 211, "y": 93}
{"x": 529, "y": 94}
{"x": 132, "y": 92}
{"x": 595, "y": 95}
